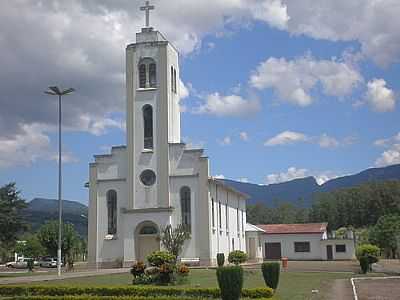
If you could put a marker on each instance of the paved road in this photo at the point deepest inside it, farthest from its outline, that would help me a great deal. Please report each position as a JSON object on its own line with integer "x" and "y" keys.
{"x": 36, "y": 278}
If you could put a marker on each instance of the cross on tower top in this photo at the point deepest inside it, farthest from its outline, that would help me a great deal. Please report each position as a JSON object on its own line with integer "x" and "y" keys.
{"x": 147, "y": 8}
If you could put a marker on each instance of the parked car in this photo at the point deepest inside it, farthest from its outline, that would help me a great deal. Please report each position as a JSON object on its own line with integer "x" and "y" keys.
{"x": 48, "y": 262}
{"x": 21, "y": 264}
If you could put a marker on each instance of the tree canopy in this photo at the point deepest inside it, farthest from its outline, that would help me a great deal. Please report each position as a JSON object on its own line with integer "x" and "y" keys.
{"x": 11, "y": 221}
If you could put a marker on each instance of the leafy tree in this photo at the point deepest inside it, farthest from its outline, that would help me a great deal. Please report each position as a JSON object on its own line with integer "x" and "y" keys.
{"x": 30, "y": 246}
{"x": 48, "y": 237}
{"x": 281, "y": 212}
{"x": 386, "y": 234}
{"x": 359, "y": 206}
{"x": 11, "y": 222}
{"x": 173, "y": 239}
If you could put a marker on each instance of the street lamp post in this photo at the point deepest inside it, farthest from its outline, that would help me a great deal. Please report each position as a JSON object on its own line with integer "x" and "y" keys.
{"x": 55, "y": 91}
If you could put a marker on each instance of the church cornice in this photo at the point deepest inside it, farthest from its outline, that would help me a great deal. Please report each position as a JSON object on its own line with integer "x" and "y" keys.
{"x": 147, "y": 210}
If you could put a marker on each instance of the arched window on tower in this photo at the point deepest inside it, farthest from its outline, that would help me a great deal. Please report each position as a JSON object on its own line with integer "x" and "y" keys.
{"x": 186, "y": 207}
{"x": 152, "y": 75}
{"x": 142, "y": 76}
{"x": 111, "y": 211}
{"x": 148, "y": 126}
{"x": 147, "y": 73}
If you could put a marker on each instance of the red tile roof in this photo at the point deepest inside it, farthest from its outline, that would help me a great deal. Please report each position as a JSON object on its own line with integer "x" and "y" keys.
{"x": 293, "y": 228}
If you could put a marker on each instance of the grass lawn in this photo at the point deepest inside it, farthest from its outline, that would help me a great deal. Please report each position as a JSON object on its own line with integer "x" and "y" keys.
{"x": 293, "y": 285}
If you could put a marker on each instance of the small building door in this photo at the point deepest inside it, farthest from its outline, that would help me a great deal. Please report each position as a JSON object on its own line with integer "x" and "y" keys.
{"x": 273, "y": 251}
{"x": 252, "y": 248}
{"x": 329, "y": 252}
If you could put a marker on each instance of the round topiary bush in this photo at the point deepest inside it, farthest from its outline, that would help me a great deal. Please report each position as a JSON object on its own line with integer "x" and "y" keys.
{"x": 159, "y": 258}
{"x": 271, "y": 272}
{"x": 220, "y": 259}
{"x": 230, "y": 282}
{"x": 237, "y": 257}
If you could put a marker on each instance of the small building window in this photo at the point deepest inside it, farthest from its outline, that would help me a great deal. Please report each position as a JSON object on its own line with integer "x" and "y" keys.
{"x": 301, "y": 246}
{"x": 111, "y": 197}
{"x": 148, "y": 126}
{"x": 186, "y": 207}
{"x": 340, "y": 248}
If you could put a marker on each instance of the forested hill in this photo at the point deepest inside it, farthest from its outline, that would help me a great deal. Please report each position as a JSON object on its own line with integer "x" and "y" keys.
{"x": 305, "y": 188}
{"x": 41, "y": 210}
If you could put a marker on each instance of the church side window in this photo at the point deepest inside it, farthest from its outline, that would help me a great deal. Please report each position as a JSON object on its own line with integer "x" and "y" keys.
{"x": 172, "y": 79}
{"x": 213, "y": 213}
{"x": 237, "y": 220}
{"x": 226, "y": 213}
{"x": 186, "y": 207}
{"x": 175, "y": 81}
{"x": 220, "y": 214}
{"x": 148, "y": 126}
{"x": 242, "y": 221}
{"x": 147, "y": 73}
{"x": 112, "y": 211}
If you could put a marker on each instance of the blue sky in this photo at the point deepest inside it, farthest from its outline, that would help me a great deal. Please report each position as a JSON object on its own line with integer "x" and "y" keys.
{"x": 272, "y": 92}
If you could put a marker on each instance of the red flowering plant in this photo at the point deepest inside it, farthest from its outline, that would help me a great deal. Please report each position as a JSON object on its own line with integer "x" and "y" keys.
{"x": 166, "y": 275}
{"x": 137, "y": 269}
{"x": 183, "y": 270}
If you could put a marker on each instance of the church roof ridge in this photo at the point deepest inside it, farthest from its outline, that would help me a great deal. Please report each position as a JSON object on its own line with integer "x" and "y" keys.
{"x": 228, "y": 187}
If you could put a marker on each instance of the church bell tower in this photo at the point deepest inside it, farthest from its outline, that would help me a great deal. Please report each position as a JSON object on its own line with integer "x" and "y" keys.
{"x": 153, "y": 116}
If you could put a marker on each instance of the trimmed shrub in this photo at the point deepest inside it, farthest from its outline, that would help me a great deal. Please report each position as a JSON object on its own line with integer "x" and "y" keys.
{"x": 271, "y": 272}
{"x": 230, "y": 282}
{"x": 237, "y": 257}
{"x": 158, "y": 258}
{"x": 128, "y": 292}
{"x": 364, "y": 264}
{"x": 220, "y": 259}
{"x": 367, "y": 254}
{"x": 367, "y": 249}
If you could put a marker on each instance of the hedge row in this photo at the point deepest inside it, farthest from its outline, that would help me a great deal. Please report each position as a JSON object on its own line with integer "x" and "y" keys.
{"x": 83, "y": 297}
{"x": 18, "y": 290}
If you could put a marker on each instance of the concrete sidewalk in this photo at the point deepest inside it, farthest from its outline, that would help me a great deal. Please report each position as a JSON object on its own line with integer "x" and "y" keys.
{"x": 38, "y": 278}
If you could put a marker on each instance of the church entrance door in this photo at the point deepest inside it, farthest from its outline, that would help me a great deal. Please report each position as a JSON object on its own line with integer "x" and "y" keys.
{"x": 147, "y": 240}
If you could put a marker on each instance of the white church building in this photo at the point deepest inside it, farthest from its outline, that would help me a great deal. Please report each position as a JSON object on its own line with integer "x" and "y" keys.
{"x": 156, "y": 180}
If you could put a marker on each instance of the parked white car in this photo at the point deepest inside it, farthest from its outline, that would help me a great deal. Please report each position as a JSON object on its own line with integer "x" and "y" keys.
{"x": 48, "y": 262}
{"x": 20, "y": 264}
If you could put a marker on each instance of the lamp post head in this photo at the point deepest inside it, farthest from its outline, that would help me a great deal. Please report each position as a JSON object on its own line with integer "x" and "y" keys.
{"x": 55, "y": 91}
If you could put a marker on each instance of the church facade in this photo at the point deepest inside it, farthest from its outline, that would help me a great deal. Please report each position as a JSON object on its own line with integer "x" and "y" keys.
{"x": 156, "y": 180}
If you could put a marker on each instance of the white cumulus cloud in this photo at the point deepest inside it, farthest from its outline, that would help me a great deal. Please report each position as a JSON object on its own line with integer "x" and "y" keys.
{"x": 231, "y": 105}
{"x": 389, "y": 157}
{"x": 380, "y": 97}
{"x": 243, "y": 135}
{"x": 285, "y": 138}
{"x": 296, "y": 173}
{"x": 294, "y": 80}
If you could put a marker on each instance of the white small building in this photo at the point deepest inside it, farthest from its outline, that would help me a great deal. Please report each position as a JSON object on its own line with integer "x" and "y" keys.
{"x": 303, "y": 242}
